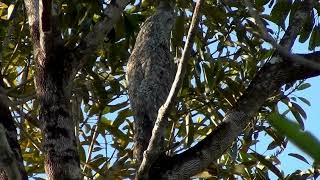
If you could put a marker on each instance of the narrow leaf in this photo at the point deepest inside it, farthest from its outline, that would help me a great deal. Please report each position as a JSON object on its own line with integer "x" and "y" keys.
{"x": 303, "y": 86}
{"x": 305, "y": 101}
{"x": 10, "y": 10}
{"x": 298, "y": 156}
{"x": 268, "y": 164}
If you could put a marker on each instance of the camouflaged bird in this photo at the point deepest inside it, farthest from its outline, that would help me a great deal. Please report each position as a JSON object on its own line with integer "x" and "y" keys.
{"x": 150, "y": 73}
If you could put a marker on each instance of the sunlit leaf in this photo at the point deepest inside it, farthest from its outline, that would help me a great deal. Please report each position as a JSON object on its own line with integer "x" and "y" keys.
{"x": 10, "y": 10}
{"x": 268, "y": 164}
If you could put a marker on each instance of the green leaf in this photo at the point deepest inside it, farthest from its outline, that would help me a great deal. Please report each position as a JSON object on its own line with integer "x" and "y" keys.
{"x": 260, "y": 3}
{"x": 268, "y": 163}
{"x": 303, "y": 139}
{"x": 106, "y": 124}
{"x": 122, "y": 115}
{"x": 81, "y": 20}
{"x": 82, "y": 153}
{"x": 299, "y": 109}
{"x": 208, "y": 76}
{"x": 178, "y": 32}
{"x": 303, "y": 86}
{"x": 297, "y": 116}
{"x": 272, "y": 145}
{"x": 315, "y": 38}
{"x": 280, "y": 12}
{"x": 10, "y": 10}
{"x": 189, "y": 130}
{"x": 298, "y": 156}
{"x": 307, "y": 28}
{"x": 113, "y": 108}
{"x": 305, "y": 101}
{"x": 94, "y": 110}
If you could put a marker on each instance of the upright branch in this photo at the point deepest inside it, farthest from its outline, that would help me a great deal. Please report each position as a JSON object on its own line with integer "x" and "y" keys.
{"x": 53, "y": 89}
{"x": 154, "y": 148}
{"x": 56, "y": 65}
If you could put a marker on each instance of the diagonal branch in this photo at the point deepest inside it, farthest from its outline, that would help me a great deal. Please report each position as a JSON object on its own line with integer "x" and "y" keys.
{"x": 269, "y": 79}
{"x": 154, "y": 148}
{"x": 197, "y": 158}
{"x": 94, "y": 38}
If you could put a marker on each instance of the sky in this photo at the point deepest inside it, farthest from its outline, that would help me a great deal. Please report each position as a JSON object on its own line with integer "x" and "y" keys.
{"x": 290, "y": 164}
{"x": 312, "y": 125}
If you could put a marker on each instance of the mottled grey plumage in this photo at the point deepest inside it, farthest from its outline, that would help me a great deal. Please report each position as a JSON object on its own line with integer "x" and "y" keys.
{"x": 150, "y": 73}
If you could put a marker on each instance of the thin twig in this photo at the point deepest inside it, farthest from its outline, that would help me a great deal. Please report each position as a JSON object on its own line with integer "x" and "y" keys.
{"x": 284, "y": 52}
{"x": 33, "y": 142}
{"x": 94, "y": 137}
{"x": 154, "y": 147}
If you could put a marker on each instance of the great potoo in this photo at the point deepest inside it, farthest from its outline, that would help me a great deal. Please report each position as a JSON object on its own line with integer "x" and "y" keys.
{"x": 150, "y": 73}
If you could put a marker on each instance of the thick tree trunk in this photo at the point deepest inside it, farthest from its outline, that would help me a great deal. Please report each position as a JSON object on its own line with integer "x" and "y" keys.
{"x": 53, "y": 88}
{"x": 55, "y": 70}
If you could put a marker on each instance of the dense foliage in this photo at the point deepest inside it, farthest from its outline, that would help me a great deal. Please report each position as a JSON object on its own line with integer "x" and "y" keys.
{"x": 227, "y": 54}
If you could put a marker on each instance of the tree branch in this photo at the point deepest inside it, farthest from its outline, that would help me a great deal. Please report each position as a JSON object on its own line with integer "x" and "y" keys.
{"x": 10, "y": 138}
{"x": 154, "y": 148}
{"x": 94, "y": 38}
{"x": 7, "y": 160}
{"x": 53, "y": 81}
{"x": 269, "y": 79}
{"x": 283, "y": 51}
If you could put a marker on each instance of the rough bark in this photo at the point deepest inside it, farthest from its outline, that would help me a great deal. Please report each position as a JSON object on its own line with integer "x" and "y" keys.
{"x": 150, "y": 73}
{"x": 53, "y": 88}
